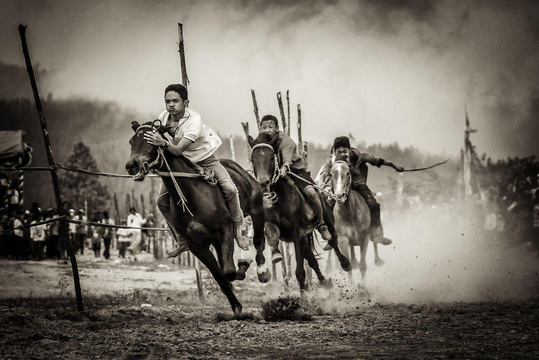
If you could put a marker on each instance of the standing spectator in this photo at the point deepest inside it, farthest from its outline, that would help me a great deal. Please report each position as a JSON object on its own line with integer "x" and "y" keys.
{"x": 80, "y": 232}
{"x": 135, "y": 220}
{"x": 97, "y": 236}
{"x": 124, "y": 239}
{"x": 18, "y": 237}
{"x": 27, "y": 240}
{"x": 37, "y": 234}
{"x": 72, "y": 228}
{"x": 108, "y": 233}
{"x": 5, "y": 235}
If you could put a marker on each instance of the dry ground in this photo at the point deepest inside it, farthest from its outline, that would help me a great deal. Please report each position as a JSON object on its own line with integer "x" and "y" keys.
{"x": 147, "y": 311}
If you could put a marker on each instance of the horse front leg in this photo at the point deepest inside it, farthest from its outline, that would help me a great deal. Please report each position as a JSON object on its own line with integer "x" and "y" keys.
{"x": 313, "y": 263}
{"x": 207, "y": 258}
{"x": 226, "y": 245}
{"x": 259, "y": 242}
{"x": 362, "y": 259}
{"x": 330, "y": 222}
{"x": 377, "y": 260}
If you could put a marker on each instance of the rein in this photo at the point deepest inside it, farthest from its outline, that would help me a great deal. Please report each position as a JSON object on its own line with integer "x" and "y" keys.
{"x": 158, "y": 162}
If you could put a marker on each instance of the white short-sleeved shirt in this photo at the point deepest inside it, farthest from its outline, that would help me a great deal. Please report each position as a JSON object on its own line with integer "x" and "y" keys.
{"x": 204, "y": 140}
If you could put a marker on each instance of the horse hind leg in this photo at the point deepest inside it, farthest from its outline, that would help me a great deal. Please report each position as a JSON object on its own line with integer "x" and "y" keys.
{"x": 226, "y": 252}
{"x": 207, "y": 258}
{"x": 313, "y": 263}
{"x": 299, "y": 246}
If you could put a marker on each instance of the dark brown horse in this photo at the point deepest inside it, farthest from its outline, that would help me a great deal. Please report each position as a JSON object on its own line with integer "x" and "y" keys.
{"x": 287, "y": 216}
{"x": 207, "y": 220}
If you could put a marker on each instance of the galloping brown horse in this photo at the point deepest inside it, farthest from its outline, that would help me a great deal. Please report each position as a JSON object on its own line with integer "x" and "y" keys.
{"x": 287, "y": 216}
{"x": 352, "y": 216}
{"x": 210, "y": 222}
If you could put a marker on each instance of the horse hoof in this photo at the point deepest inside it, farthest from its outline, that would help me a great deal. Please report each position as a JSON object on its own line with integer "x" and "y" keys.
{"x": 263, "y": 274}
{"x": 379, "y": 262}
{"x": 345, "y": 264}
{"x": 245, "y": 263}
{"x": 237, "y": 311}
{"x": 240, "y": 275}
{"x": 231, "y": 275}
{"x": 276, "y": 257}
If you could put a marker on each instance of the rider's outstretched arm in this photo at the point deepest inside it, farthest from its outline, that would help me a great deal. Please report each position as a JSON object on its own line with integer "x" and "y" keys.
{"x": 391, "y": 164}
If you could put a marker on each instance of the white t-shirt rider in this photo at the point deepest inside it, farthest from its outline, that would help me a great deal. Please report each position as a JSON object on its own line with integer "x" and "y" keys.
{"x": 204, "y": 140}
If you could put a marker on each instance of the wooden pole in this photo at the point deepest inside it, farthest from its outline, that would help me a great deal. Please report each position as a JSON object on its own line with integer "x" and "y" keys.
{"x": 281, "y": 109}
{"x": 245, "y": 126}
{"x": 63, "y": 229}
{"x": 300, "y": 137}
{"x": 255, "y": 109}
{"x": 116, "y": 209}
{"x": 232, "y": 151}
{"x": 181, "y": 50}
{"x": 288, "y": 111}
{"x": 127, "y": 204}
{"x": 185, "y": 82}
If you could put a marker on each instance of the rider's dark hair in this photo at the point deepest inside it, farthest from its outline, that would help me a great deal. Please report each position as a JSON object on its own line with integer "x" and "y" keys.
{"x": 179, "y": 88}
{"x": 269, "y": 118}
{"x": 341, "y": 141}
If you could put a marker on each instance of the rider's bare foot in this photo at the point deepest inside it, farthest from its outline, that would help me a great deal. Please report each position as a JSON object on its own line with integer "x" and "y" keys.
{"x": 323, "y": 230}
{"x": 377, "y": 236}
{"x": 242, "y": 242}
{"x": 176, "y": 252}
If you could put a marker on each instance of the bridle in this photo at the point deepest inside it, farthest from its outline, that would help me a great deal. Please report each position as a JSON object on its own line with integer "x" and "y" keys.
{"x": 344, "y": 197}
{"x": 270, "y": 197}
{"x": 159, "y": 161}
{"x": 275, "y": 176}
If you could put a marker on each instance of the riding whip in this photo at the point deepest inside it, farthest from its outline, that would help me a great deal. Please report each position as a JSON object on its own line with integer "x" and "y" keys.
{"x": 428, "y": 167}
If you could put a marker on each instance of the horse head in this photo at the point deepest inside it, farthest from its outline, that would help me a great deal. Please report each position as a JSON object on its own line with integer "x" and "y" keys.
{"x": 341, "y": 179}
{"x": 144, "y": 156}
{"x": 264, "y": 159}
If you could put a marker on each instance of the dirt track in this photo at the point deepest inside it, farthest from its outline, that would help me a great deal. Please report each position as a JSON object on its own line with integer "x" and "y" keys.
{"x": 339, "y": 323}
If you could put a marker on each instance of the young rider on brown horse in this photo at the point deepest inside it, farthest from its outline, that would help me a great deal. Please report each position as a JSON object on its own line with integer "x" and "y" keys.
{"x": 358, "y": 167}
{"x": 197, "y": 142}
{"x": 290, "y": 160}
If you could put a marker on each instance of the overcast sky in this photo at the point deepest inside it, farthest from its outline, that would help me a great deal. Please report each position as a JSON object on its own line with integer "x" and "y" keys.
{"x": 385, "y": 71}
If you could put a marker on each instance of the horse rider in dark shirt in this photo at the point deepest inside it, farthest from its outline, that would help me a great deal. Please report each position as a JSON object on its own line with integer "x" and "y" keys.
{"x": 290, "y": 160}
{"x": 358, "y": 168}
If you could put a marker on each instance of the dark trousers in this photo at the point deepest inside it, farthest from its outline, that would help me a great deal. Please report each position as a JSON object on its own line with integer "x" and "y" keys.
{"x": 79, "y": 242}
{"x": 366, "y": 193}
{"x": 123, "y": 245}
{"x": 106, "y": 253}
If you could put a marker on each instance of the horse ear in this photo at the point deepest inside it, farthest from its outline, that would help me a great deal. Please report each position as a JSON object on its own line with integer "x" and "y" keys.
{"x": 134, "y": 125}
{"x": 250, "y": 140}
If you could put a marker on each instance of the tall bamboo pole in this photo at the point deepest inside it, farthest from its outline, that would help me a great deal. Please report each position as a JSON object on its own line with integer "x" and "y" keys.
{"x": 255, "y": 109}
{"x": 281, "y": 109}
{"x": 185, "y": 82}
{"x": 288, "y": 111}
{"x": 245, "y": 126}
{"x": 300, "y": 137}
{"x": 63, "y": 230}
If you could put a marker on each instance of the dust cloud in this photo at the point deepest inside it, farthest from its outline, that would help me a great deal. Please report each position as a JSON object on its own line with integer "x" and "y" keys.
{"x": 438, "y": 255}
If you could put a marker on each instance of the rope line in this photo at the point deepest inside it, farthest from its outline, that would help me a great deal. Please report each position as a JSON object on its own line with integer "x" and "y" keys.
{"x": 59, "y": 166}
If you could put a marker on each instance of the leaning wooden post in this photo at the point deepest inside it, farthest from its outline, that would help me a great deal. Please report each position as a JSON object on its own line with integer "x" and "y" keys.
{"x": 300, "y": 137}
{"x": 245, "y": 126}
{"x": 185, "y": 82}
{"x": 255, "y": 109}
{"x": 288, "y": 111}
{"x": 63, "y": 230}
{"x": 281, "y": 109}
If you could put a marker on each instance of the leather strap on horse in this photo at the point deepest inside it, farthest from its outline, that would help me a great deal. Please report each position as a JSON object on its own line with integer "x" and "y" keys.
{"x": 327, "y": 193}
{"x": 183, "y": 199}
